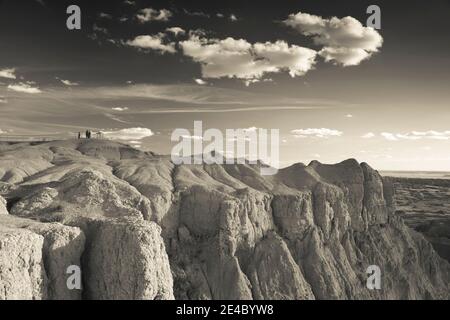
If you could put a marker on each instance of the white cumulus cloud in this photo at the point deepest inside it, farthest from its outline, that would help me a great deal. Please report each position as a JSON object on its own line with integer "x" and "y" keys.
{"x": 8, "y": 73}
{"x": 344, "y": 56}
{"x": 150, "y": 14}
{"x": 316, "y": 132}
{"x": 389, "y": 136}
{"x": 368, "y": 135}
{"x": 237, "y": 58}
{"x": 129, "y": 134}
{"x": 176, "y": 30}
{"x": 24, "y": 87}
{"x": 152, "y": 42}
{"x": 345, "y": 41}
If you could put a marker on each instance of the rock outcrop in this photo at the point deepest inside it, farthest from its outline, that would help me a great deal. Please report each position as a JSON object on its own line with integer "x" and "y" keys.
{"x": 22, "y": 273}
{"x": 51, "y": 247}
{"x": 125, "y": 259}
{"x": 155, "y": 230}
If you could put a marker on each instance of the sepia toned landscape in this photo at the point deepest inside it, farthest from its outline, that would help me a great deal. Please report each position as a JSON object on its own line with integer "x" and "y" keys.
{"x": 143, "y": 228}
{"x": 212, "y": 153}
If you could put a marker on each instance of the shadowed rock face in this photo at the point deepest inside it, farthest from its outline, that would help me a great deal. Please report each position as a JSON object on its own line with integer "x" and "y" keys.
{"x": 153, "y": 230}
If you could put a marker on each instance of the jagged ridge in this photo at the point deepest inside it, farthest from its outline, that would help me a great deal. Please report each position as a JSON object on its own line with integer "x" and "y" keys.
{"x": 229, "y": 233}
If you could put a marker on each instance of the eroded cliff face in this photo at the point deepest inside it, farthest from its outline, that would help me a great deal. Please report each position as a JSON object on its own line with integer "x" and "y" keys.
{"x": 22, "y": 273}
{"x": 148, "y": 229}
{"x": 423, "y": 205}
{"x": 124, "y": 259}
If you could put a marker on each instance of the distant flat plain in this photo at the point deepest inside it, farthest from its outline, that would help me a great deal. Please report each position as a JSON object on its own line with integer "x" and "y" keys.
{"x": 417, "y": 174}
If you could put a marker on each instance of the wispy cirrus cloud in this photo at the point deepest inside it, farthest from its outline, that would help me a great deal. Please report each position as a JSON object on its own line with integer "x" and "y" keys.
{"x": 417, "y": 135}
{"x": 316, "y": 133}
{"x": 201, "y": 97}
{"x": 129, "y": 134}
{"x": 69, "y": 83}
{"x": 196, "y": 13}
{"x": 120, "y": 108}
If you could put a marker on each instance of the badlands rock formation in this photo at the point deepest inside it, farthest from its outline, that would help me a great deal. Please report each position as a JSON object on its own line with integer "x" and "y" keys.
{"x": 424, "y": 206}
{"x": 34, "y": 258}
{"x": 141, "y": 227}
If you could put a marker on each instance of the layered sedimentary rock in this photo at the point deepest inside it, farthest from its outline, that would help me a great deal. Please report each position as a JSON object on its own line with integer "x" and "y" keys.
{"x": 225, "y": 231}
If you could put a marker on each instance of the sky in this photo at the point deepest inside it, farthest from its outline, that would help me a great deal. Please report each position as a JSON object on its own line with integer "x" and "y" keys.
{"x": 137, "y": 70}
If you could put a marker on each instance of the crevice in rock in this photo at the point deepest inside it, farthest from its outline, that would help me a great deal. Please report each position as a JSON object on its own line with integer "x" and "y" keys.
{"x": 10, "y": 202}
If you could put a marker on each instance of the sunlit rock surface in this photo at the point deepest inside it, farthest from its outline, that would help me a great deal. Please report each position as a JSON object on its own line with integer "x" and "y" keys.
{"x": 149, "y": 229}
